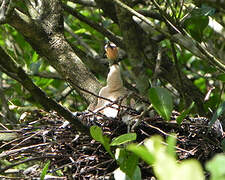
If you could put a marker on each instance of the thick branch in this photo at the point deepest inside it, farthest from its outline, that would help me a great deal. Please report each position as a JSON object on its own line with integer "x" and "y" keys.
{"x": 46, "y": 37}
{"x": 37, "y": 93}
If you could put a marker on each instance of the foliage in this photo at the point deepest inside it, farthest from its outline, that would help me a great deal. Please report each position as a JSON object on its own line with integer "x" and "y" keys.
{"x": 161, "y": 100}
{"x": 215, "y": 166}
{"x": 161, "y": 158}
{"x": 45, "y": 170}
{"x": 127, "y": 161}
{"x": 186, "y": 73}
{"x": 164, "y": 163}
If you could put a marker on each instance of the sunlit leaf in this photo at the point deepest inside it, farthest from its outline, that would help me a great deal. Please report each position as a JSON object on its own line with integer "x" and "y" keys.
{"x": 216, "y": 167}
{"x": 161, "y": 100}
{"x": 123, "y": 139}
{"x": 142, "y": 152}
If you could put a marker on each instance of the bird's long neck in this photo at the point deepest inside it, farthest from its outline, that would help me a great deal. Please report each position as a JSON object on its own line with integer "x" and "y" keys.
{"x": 114, "y": 81}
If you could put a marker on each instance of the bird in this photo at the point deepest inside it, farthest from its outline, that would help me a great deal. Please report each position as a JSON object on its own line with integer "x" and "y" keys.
{"x": 114, "y": 88}
{"x": 111, "y": 52}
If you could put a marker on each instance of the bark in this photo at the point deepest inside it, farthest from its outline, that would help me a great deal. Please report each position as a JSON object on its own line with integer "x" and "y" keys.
{"x": 44, "y": 32}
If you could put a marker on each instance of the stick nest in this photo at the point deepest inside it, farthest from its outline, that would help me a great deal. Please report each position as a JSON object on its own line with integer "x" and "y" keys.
{"x": 44, "y": 136}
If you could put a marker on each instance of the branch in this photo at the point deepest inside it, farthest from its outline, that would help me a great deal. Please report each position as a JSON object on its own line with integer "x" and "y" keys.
{"x": 6, "y": 10}
{"x": 9, "y": 116}
{"x": 79, "y": 41}
{"x": 89, "y": 3}
{"x": 38, "y": 94}
{"x": 201, "y": 51}
{"x": 47, "y": 38}
{"x": 112, "y": 37}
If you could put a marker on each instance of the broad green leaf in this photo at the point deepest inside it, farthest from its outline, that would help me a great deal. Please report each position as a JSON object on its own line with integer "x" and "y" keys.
{"x": 217, "y": 114}
{"x": 161, "y": 100}
{"x": 197, "y": 21}
{"x": 97, "y": 134}
{"x": 195, "y": 25}
{"x": 142, "y": 152}
{"x": 137, "y": 174}
{"x": 166, "y": 167}
{"x": 107, "y": 146}
{"x": 171, "y": 141}
{"x": 216, "y": 167}
{"x": 45, "y": 170}
{"x": 201, "y": 84}
{"x": 184, "y": 113}
{"x": 123, "y": 139}
{"x": 127, "y": 161}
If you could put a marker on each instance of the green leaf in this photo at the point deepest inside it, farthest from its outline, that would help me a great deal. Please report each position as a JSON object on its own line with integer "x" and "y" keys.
{"x": 123, "y": 139}
{"x": 142, "y": 152}
{"x": 216, "y": 167}
{"x": 161, "y": 100}
{"x": 171, "y": 141}
{"x": 127, "y": 161}
{"x": 184, "y": 113}
{"x": 166, "y": 167}
{"x": 120, "y": 175}
{"x": 198, "y": 20}
{"x": 97, "y": 134}
{"x": 45, "y": 170}
{"x": 221, "y": 77}
{"x": 137, "y": 174}
{"x": 217, "y": 114}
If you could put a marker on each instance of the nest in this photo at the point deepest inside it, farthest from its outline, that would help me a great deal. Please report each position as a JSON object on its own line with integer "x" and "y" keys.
{"x": 44, "y": 136}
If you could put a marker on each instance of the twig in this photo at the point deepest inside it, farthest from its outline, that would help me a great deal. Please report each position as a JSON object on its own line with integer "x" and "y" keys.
{"x": 6, "y": 10}
{"x": 28, "y": 160}
{"x": 139, "y": 117}
{"x": 157, "y": 66}
{"x": 38, "y": 94}
{"x": 177, "y": 67}
{"x": 90, "y": 50}
{"x": 101, "y": 97}
{"x": 211, "y": 59}
{"x": 7, "y": 153}
{"x": 112, "y": 37}
{"x": 89, "y": 3}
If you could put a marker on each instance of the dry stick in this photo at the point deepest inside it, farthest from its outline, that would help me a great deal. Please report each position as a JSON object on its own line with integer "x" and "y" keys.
{"x": 23, "y": 149}
{"x": 101, "y": 97}
{"x": 157, "y": 66}
{"x": 27, "y": 160}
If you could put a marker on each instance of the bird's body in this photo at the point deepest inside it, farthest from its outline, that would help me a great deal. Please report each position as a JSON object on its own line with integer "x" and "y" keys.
{"x": 112, "y": 91}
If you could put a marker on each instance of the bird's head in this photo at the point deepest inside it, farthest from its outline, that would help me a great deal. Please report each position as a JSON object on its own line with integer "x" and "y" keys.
{"x": 111, "y": 52}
